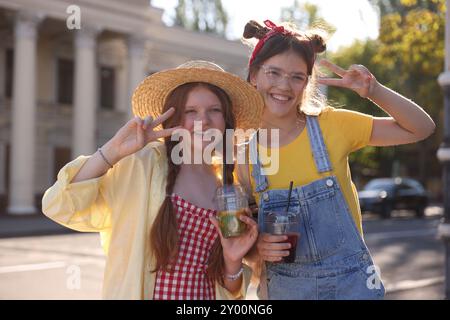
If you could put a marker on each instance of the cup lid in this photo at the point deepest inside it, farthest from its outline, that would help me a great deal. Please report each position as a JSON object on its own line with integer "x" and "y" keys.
{"x": 281, "y": 217}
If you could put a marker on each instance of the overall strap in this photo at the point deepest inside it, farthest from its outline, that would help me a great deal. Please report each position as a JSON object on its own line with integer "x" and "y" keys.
{"x": 258, "y": 175}
{"x": 318, "y": 146}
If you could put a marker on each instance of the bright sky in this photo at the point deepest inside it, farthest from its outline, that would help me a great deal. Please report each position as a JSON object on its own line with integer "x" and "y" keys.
{"x": 354, "y": 19}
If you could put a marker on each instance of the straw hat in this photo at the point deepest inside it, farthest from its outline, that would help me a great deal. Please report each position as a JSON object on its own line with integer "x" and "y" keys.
{"x": 150, "y": 95}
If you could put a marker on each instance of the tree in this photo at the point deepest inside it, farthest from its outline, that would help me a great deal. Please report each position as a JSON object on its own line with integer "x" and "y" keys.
{"x": 402, "y": 7}
{"x": 305, "y": 16}
{"x": 180, "y": 14}
{"x": 408, "y": 57}
{"x": 370, "y": 161}
{"x": 202, "y": 15}
{"x": 412, "y": 49}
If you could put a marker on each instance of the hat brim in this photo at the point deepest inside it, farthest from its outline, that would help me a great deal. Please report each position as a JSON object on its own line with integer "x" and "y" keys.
{"x": 150, "y": 96}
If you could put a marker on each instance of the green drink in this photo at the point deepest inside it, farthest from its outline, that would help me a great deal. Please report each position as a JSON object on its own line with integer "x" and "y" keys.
{"x": 230, "y": 223}
{"x": 231, "y": 202}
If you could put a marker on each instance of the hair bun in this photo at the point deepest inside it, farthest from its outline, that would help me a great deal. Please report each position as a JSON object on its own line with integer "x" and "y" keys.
{"x": 254, "y": 30}
{"x": 318, "y": 43}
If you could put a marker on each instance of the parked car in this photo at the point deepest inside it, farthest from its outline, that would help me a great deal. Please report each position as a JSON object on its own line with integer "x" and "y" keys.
{"x": 384, "y": 195}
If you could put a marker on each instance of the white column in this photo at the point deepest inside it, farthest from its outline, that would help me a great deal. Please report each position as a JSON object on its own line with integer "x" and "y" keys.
{"x": 21, "y": 197}
{"x": 136, "y": 65}
{"x": 85, "y": 92}
{"x": 447, "y": 37}
{"x": 444, "y": 77}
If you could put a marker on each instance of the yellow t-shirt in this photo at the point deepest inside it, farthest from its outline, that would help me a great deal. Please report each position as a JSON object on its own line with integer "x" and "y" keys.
{"x": 343, "y": 131}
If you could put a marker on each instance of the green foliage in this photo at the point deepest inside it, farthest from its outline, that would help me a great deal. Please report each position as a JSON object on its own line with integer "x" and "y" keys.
{"x": 305, "y": 16}
{"x": 402, "y": 7}
{"x": 202, "y": 15}
{"x": 408, "y": 57}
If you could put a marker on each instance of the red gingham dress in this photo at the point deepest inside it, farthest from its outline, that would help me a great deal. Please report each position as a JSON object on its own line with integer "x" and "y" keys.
{"x": 196, "y": 236}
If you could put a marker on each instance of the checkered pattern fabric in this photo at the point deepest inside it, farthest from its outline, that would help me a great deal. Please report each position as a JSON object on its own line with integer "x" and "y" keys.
{"x": 196, "y": 235}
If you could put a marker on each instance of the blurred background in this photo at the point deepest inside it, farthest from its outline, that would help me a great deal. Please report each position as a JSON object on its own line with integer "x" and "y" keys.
{"x": 67, "y": 71}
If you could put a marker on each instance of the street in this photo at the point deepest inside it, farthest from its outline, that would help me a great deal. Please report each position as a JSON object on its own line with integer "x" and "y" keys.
{"x": 70, "y": 266}
{"x": 408, "y": 253}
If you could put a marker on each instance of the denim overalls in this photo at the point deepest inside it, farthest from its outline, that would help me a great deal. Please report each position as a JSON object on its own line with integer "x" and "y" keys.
{"x": 332, "y": 260}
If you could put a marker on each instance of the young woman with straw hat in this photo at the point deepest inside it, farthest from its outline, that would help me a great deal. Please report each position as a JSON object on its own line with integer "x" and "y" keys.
{"x": 332, "y": 260}
{"x": 156, "y": 218}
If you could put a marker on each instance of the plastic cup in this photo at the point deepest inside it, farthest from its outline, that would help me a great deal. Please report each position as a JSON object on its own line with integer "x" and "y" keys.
{"x": 231, "y": 202}
{"x": 284, "y": 223}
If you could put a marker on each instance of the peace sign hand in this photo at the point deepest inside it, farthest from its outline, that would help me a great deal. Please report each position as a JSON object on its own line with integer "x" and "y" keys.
{"x": 357, "y": 78}
{"x": 137, "y": 133}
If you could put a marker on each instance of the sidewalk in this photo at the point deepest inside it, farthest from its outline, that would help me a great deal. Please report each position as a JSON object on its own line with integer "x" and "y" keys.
{"x": 432, "y": 292}
{"x": 40, "y": 225}
{"x": 29, "y": 225}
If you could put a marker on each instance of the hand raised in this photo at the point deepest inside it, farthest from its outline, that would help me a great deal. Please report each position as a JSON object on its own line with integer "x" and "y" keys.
{"x": 137, "y": 133}
{"x": 357, "y": 78}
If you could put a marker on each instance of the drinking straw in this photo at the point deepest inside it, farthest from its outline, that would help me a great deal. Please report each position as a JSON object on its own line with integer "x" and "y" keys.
{"x": 224, "y": 165}
{"x": 289, "y": 196}
{"x": 224, "y": 173}
{"x": 224, "y": 161}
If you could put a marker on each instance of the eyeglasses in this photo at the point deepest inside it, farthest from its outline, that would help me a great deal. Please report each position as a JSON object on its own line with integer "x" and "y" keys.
{"x": 275, "y": 76}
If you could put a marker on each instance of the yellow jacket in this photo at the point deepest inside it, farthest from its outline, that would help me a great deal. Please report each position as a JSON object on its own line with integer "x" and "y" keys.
{"x": 121, "y": 205}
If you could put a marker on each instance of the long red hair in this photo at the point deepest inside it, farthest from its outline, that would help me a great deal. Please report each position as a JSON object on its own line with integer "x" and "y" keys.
{"x": 164, "y": 231}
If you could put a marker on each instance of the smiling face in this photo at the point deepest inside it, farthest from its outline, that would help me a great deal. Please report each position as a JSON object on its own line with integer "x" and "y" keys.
{"x": 204, "y": 106}
{"x": 282, "y": 91}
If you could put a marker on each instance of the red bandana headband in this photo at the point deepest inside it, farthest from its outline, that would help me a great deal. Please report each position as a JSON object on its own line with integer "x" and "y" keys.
{"x": 274, "y": 29}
